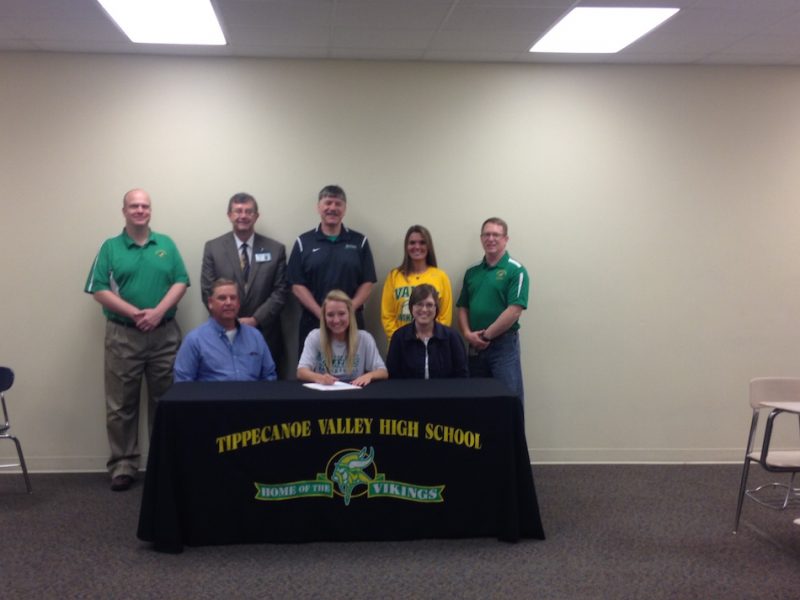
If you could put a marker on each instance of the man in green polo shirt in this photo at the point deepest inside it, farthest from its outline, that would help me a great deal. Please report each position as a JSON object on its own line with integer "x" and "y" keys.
{"x": 138, "y": 277}
{"x": 494, "y": 294}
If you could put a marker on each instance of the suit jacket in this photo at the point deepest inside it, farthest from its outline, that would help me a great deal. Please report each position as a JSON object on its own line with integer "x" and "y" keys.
{"x": 267, "y": 287}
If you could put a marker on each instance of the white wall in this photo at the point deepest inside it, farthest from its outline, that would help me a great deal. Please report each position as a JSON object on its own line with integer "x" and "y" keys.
{"x": 655, "y": 209}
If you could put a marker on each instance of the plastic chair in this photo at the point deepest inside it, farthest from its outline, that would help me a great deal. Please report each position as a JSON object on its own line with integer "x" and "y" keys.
{"x": 6, "y": 381}
{"x": 769, "y": 389}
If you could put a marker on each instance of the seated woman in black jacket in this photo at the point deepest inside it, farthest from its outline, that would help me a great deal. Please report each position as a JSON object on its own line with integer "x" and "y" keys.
{"x": 426, "y": 349}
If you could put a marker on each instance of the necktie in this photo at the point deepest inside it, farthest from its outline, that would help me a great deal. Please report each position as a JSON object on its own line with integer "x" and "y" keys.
{"x": 244, "y": 261}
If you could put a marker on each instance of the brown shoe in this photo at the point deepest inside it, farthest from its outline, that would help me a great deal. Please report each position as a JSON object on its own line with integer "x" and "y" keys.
{"x": 120, "y": 483}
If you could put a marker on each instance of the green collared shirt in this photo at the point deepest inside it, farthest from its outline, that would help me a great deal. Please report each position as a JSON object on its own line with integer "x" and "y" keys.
{"x": 141, "y": 275}
{"x": 488, "y": 291}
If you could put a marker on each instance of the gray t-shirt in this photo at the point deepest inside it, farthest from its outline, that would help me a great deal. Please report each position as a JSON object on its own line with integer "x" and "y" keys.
{"x": 367, "y": 357}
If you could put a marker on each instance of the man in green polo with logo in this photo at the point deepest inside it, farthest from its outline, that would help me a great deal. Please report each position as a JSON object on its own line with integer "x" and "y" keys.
{"x": 138, "y": 277}
{"x": 494, "y": 294}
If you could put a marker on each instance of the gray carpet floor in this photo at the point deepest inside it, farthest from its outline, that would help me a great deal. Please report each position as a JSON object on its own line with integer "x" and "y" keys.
{"x": 613, "y": 532}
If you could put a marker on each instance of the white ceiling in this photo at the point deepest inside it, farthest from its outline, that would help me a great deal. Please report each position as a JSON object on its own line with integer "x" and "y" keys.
{"x": 763, "y": 32}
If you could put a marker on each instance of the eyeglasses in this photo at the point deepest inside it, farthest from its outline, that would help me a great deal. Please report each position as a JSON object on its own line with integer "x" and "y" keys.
{"x": 426, "y": 305}
{"x": 243, "y": 211}
{"x": 493, "y": 235}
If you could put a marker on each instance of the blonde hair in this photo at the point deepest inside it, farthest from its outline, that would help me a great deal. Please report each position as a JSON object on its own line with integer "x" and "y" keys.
{"x": 351, "y": 339}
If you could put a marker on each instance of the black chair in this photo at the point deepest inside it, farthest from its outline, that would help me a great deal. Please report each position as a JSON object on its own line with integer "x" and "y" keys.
{"x": 6, "y": 381}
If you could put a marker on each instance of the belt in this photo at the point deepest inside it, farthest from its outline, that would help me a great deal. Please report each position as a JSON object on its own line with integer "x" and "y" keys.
{"x": 508, "y": 332}
{"x": 133, "y": 325}
{"x": 505, "y": 333}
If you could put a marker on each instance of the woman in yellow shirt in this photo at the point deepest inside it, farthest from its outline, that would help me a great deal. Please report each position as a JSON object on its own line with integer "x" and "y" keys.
{"x": 418, "y": 267}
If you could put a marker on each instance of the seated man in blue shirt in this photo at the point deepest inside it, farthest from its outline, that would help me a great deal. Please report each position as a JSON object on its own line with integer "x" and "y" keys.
{"x": 222, "y": 349}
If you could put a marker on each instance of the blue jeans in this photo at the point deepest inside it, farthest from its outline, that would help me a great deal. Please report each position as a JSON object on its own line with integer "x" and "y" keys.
{"x": 501, "y": 361}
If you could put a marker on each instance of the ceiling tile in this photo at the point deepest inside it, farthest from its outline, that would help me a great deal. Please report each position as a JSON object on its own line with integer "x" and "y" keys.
{"x": 375, "y": 54}
{"x": 487, "y": 41}
{"x": 703, "y": 32}
{"x": 78, "y": 30}
{"x": 501, "y": 18}
{"x": 408, "y": 39}
{"x": 471, "y": 56}
{"x": 400, "y": 14}
{"x": 276, "y": 14}
{"x": 300, "y": 36}
{"x": 50, "y": 9}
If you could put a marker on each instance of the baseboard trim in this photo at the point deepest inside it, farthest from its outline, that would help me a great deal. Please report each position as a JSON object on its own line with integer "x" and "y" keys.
{"x": 636, "y": 455}
{"x": 538, "y": 456}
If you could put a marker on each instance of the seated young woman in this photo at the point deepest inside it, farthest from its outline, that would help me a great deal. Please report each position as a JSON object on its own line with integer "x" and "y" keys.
{"x": 426, "y": 349}
{"x": 338, "y": 350}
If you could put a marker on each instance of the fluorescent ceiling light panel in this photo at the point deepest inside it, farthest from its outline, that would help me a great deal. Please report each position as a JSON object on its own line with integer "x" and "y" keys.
{"x": 166, "y": 21}
{"x": 601, "y": 30}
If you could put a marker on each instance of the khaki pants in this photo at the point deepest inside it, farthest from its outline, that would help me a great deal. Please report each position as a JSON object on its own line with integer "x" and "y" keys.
{"x": 129, "y": 355}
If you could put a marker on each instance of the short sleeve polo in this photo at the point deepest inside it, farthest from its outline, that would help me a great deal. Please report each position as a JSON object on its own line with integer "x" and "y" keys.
{"x": 322, "y": 264}
{"x": 488, "y": 291}
{"x": 141, "y": 275}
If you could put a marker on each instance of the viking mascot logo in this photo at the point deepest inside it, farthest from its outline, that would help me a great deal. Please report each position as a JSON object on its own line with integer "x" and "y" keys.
{"x": 348, "y": 471}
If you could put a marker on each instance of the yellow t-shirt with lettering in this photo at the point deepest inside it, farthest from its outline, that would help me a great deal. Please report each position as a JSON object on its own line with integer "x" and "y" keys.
{"x": 397, "y": 290}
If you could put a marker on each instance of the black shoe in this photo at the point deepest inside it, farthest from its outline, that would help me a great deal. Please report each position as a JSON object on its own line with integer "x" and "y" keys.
{"x": 120, "y": 483}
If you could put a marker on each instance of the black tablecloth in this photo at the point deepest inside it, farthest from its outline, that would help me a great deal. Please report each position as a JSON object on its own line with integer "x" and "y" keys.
{"x": 257, "y": 462}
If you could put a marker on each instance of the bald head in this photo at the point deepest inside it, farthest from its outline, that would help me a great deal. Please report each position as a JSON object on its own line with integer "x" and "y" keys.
{"x": 136, "y": 209}
{"x": 133, "y": 194}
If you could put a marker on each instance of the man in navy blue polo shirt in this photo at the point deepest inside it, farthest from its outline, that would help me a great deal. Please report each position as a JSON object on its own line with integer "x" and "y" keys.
{"x": 330, "y": 257}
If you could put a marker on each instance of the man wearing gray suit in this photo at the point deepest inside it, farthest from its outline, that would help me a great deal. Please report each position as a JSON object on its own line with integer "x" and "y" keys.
{"x": 258, "y": 266}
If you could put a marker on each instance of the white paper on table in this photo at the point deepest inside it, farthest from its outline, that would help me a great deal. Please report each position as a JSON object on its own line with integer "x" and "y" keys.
{"x": 339, "y": 385}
